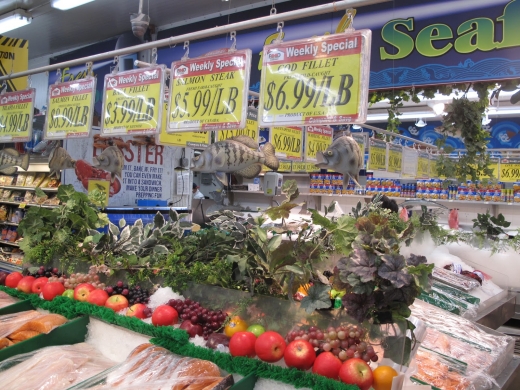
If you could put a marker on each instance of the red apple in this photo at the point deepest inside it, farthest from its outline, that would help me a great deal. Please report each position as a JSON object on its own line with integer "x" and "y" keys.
{"x": 192, "y": 329}
{"x": 97, "y": 297}
{"x": 117, "y": 302}
{"x": 356, "y": 372}
{"x": 25, "y": 284}
{"x": 3, "y": 275}
{"x": 165, "y": 315}
{"x": 243, "y": 344}
{"x": 51, "y": 290}
{"x": 136, "y": 310}
{"x": 299, "y": 354}
{"x": 38, "y": 284}
{"x": 82, "y": 291}
{"x": 270, "y": 346}
{"x": 327, "y": 364}
{"x": 12, "y": 279}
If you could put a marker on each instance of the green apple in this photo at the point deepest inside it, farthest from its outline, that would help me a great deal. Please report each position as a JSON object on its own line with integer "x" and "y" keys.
{"x": 256, "y": 329}
{"x": 68, "y": 294}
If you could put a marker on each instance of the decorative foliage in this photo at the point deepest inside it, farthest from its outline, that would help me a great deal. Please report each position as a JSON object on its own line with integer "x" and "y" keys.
{"x": 290, "y": 189}
{"x": 491, "y": 225}
{"x": 318, "y": 297}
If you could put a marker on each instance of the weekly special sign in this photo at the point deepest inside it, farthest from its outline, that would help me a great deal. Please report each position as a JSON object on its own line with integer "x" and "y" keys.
{"x": 322, "y": 80}
{"x": 210, "y": 93}
{"x": 16, "y": 114}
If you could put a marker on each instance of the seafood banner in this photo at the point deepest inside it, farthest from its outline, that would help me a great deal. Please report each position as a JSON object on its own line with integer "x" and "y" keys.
{"x": 322, "y": 80}
{"x": 288, "y": 142}
{"x": 16, "y": 115}
{"x": 133, "y": 101}
{"x": 192, "y": 139}
{"x": 410, "y": 162}
{"x": 70, "y": 109}
{"x": 210, "y": 92}
{"x": 377, "y": 155}
{"x": 395, "y": 158}
{"x": 317, "y": 139}
{"x": 423, "y": 165}
{"x": 251, "y": 129}
{"x": 147, "y": 172}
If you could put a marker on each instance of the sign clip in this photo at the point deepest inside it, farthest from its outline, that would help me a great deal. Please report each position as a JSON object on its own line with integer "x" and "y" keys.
{"x": 89, "y": 68}
{"x": 154, "y": 56}
{"x": 233, "y": 38}
{"x": 187, "y": 52}
{"x": 4, "y": 87}
{"x": 58, "y": 76}
{"x": 29, "y": 82}
{"x": 116, "y": 65}
{"x": 279, "y": 28}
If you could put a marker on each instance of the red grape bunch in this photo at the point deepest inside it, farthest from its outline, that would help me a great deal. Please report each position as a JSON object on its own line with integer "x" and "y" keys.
{"x": 210, "y": 320}
{"x": 343, "y": 341}
{"x": 134, "y": 294}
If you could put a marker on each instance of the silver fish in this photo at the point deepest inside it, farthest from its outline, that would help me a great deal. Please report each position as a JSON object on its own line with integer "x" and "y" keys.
{"x": 416, "y": 204}
{"x": 43, "y": 146}
{"x": 59, "y": 160}
{"x": 343, "y": 156}
{"x": 111, "y": 160}
{"x": 10, "y": 159}
{"x": 235, "y": 155}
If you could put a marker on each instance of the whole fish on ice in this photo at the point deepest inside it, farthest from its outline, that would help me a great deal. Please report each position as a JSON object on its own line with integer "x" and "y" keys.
{"x": 453, "y": 219}
{"x": 343, "y": 156}
{"x": 111, "y": 160}
{"x": 10, "y": 159}
{"x": 59, "y": 160}
{"x": 235, "y": 155}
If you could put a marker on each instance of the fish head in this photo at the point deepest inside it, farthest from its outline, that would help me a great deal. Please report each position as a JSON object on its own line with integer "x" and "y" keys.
{"x": 197, "y": 163}
{"x": 329, "y": 158}
{"x": 99, "y": 160}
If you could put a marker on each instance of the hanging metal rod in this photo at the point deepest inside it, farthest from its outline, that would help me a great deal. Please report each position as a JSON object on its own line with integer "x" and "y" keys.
{"x": 247, "y": 24}
{"x": 378, "y": 130}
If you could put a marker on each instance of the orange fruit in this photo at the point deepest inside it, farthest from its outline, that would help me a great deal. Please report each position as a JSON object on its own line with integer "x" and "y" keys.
{"x": 383, "y": 376}
{"x": 236, "y": 324}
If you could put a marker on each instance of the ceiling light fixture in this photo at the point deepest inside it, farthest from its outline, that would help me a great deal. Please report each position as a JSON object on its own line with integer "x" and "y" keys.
{"x": 68, "y": 4}
{"x": 438, "y": 108}
{"x": 356, "y": 127}
{"x": 14, "y": 19}
{"x": 486, "y": 120}
{"x": 420, "y": 123}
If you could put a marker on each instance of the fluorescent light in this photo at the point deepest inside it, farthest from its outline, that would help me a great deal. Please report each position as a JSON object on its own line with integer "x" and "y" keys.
{"x": 68, "y": 4}
{"x": 14, "y": 19}
{"x": 438, "y": 108}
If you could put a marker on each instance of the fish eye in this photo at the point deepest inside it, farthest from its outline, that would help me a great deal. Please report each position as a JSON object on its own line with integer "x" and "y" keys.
{"x": 329, "y": 153}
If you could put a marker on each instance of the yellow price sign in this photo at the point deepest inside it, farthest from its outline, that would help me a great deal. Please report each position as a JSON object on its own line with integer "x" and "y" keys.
{"x": 510, "y": 171}
{"x": 16, "y": 114}
{"x": 299, "y": 166}
{"x": 288, "y": 142}
{"x": 210, "y": 93}
{"x": 360, "y": 139}
{"x": 251, "y": 129}
{"x": 70, "y": 109}
{"x": 322, "y": 80}
{"x": 100, "y": 185}
{"x": 193, "y": 139}
{"x": 317, "y": 139}
{"x": 433, "y": 167}
{"x": 395, "y": 158}
{"x": 133, "y": 101}
{"x": 377, "y": 155}
{"x": 285, "y": 166}
{"x": 423, "y": 165}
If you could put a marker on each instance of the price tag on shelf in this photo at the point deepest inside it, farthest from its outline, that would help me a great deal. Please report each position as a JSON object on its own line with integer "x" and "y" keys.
{"x": 210, "y": 93}
{"x": 299, "y": 166}
{"x": 312, "y": 168}
{"x": 16, "y": 115}
{"x": 423, "y": 165}
{"x": 395, "y": 158}
{"x": 288, "y": 142}
{"x": 70, "y": 109}
{"x": 377, "y": 155}
{"x": 317, "y": 139}
{"x": 321, "y": 80}
{"x": 133, "y": 101}
{"x": 22, "y": 205}
{"x": 285, "y": 166}
{"x": 251, "y": 129}
{"x": 192, "y": 139}
{"x": 510, "y": 171}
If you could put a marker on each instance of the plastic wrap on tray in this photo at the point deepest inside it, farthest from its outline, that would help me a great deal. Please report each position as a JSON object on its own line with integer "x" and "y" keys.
{"x": 499, "y": 347}
{"x": 152, "y": 367}
{"x": 448, "y": 290}
{"x": 449, "y": 303}
{"x": 53, "y": 368}
{"x": 6, "y": 299}
{"x": 455, "y": 280}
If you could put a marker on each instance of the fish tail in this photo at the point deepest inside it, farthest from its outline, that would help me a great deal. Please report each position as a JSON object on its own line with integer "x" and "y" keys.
{"x": 271, "y": 160}
{"x": 25, "y": 162}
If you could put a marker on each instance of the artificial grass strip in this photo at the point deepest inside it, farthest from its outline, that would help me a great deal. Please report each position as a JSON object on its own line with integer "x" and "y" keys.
{"x": 177, "y": 341}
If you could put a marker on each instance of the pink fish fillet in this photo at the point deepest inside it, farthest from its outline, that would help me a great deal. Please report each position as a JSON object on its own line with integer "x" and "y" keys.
{"x": 453, "y": 219}
{"x": 403, "y": 214}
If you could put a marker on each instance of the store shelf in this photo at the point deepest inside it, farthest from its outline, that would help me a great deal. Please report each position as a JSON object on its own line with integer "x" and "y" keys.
{"x": 27, "y": 204}
{"x": 9, "y": 243}
{"x": 45, "y": 189}
{"x": 8, "y": 267}
{"x": 509, "y": 379}
{"x": 8, "y": 223}
{"x": 499, "y": 313}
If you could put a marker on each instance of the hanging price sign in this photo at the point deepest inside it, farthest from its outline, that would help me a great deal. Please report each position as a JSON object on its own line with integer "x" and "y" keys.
{"x": 299, "y": 167}
{"x": 288, "y": 142}
{"x": 210, "y": 93}
{"x": 361, "y": 141}
{"x": 377, "y": 155}
{"x": 251, "y": 129}
{"x": 16, "y": 115}
{"x": 133, "y": 101}
{"x": 423, "y": 165}
{"x": 191, "y": 139}
{"x": 395, "y": 158}
{"x": 317, "y": 139}
{"x": 493, "y": 165}
{"x": 70, "y": 109}
{"x": 433, "y": 166}
{"x": 322, "y": 80}
{"x": 509, "y": 170}
{"x": 285, "y": 166}
{"x": 410, "y": 162}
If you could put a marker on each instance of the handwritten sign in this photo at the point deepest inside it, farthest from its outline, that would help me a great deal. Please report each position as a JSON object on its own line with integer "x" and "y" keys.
{"x": 251, "y": 129}
{"x": 16, "y": 115}
{"x": 70, "y": 109}
{"x": 288, "y": 142}
{"x": 210, "y": 93}
{"x": 395, "y": 158}
{"x": 322, "y": 80}
{"x": 377, "y": 155}
{"x": 317, "y": 139}
{"x": 133, "y": 102}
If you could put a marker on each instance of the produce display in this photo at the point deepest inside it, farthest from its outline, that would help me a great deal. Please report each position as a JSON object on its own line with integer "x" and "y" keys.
{"x": 53, "y": 367}
{"x": 6, "y": 299}
{"x": 25, "y": 325}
